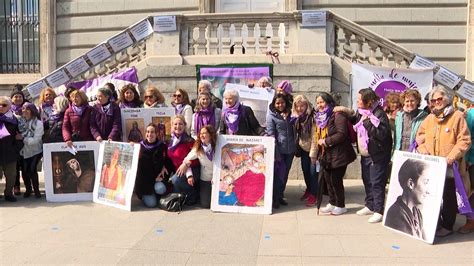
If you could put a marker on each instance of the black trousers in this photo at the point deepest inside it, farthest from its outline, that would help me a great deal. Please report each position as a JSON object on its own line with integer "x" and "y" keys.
{"x": 205, "y": 188}
{"x": 334, "y": 183}
{"x": 30, "y": 172}
{"x": 449, "y": 208}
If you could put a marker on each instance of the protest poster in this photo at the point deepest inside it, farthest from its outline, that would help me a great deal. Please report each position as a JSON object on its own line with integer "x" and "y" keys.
{"x": 68, "y": 176}
{"x": 243, "y": 174}
{"x": 258, "y": 99}
{"x": 384, "y": 80}
{"x": 243, "y": 74}
{"x": 415, "y": 194}
{"x": 135, "y": 120}
{"x": 116, "y": 173}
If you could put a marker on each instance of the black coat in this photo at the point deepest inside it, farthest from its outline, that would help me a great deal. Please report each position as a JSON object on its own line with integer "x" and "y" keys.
{"x": 9, "y": 146}
{"x": 380, "y": 138}
{"x": 248, "y": 124}
{"x": 339, "y": 151}
{"x": 150, "y": 164}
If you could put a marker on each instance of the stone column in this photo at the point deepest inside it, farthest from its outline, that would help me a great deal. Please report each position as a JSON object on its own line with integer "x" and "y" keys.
{"x": 47, "y": 15}
{"x": 470, "y": 41}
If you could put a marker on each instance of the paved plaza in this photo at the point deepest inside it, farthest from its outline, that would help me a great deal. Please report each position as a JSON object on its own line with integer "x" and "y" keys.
{"x": 37, "y": 232}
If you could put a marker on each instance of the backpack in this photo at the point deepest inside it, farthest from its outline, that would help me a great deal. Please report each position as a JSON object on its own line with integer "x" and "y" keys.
{"x": 172, "y": 202}
{"x": 351, "y": 132}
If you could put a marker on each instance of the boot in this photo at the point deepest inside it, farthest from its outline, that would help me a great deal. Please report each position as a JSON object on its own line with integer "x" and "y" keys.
{"x": 468, "y": 227}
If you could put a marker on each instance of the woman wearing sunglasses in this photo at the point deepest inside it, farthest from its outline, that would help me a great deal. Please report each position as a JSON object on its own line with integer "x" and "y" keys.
{"x": 445, "y": 133}
{"x": 182, "y": 106}
{"x": 153, "y": 97}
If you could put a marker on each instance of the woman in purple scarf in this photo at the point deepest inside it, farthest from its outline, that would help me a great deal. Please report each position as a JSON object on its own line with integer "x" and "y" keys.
{"x": 46, "y": 100}
{"x": 129, "y": 97}
{"x": 182, "y": 106}
{"x": 238, "y": 119}
{"x": 106, "y": 119}
{"x": 206, "y": 113}
{"x": 55, "y": 120}
{"x": 76, "y": 124}
{"x": 374, "y": 141}
{"x": 17, "y": 101}
{"x": 334, "y": 151}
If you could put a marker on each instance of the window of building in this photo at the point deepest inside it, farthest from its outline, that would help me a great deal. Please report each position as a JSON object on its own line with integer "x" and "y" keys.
{"x": 225, "y": 6}
{"x": 19, "y": 36}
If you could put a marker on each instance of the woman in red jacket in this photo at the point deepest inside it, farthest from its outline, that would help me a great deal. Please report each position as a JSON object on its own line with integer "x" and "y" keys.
{"x": 180, "y": 145}
{"x": 76, "y": 126}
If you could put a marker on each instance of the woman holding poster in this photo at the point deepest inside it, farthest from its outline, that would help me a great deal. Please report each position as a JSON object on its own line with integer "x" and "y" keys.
{"x": 445, "y": 133}
{"x": 76, "y": 124}
{"x": 106, "y": 119}
{"x": 374, "y": 140}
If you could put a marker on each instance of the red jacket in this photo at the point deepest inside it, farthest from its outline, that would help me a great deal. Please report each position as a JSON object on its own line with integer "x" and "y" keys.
{"x": 178, "y": 154}
{"x": 80, "y": 125}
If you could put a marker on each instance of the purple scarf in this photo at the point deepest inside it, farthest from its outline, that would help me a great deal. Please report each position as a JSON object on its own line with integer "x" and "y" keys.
{"x": 125, "y": 105}
{"x": 232, "y": 117}
{"x": 78, "y": 109}
{"x": 175, "y": 141}
{"x": 107, "y": 109}
{"x": 359, "y": 127}
{"x": 178, "y": 108}
{"x": 16, "y": 109}
{"x": 208, "y": 151}
{"x": 147, "y": 146}
{"x": 204, "y": 117}
{"x": 322, "y": 118}
{"x": 6, "y": 118}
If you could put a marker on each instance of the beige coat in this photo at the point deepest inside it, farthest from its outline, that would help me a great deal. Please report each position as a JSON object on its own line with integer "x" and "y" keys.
{"x": 449, "y": 138}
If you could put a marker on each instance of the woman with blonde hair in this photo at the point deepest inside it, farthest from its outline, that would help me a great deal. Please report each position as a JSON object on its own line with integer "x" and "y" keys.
{"x": 45, "y": 103}
{"x": 206, "y": 113}
{"x": 182, "y": 106}
{"x": 153, "y": 97}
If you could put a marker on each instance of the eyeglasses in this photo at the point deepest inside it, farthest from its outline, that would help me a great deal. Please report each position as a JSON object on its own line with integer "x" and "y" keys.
{"x": 440, "y": 99}
{"x": 177, "y": 95}
{"x": 4, "y": 105}
{"x": 149, "y": 96}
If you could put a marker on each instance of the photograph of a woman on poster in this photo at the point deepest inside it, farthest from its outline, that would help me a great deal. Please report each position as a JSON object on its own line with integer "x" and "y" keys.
{"x": 113, "y": 178}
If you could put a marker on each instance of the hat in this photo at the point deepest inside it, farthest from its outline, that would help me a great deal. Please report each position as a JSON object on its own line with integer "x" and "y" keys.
{"x": 17, "y": 90}
{"x": 286, "y": 86}
{"x": 32, "y": 108}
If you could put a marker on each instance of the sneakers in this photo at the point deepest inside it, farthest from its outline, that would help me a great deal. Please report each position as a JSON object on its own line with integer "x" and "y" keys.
{"x": 338, "y": 211}
{"x": 375, "y": 218}
{"x": 305, "y": 196}
{"x": 364, "y": 211}
{"x": 442, "y": 232}
{"x": 467, "y": 228}
{"x": 311, "y": 200}
{"x": 328, "y": 209}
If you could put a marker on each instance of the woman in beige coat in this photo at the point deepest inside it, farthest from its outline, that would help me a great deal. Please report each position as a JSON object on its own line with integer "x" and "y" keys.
{"x": 445, "y": 133}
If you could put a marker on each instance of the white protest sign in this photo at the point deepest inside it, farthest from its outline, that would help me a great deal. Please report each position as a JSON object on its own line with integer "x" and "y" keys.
{"x": 98, "y": 54}
{"x": 467, "y": 91}
{"x": 422, "y": 63}
{"x": 142, "y": 30}
{"x": 164, "y": 23}
{"x": 313, "y": 19}
{"x": 57, "y": 78}
{"x": 35, "y": 89}
{"x": 77, "y": 67}
{"x": 120, "y": 41}
{"x": 447, "y": 77}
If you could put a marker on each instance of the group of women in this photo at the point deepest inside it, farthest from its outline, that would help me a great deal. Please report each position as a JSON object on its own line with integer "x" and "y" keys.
{"x": 321, "y": 135}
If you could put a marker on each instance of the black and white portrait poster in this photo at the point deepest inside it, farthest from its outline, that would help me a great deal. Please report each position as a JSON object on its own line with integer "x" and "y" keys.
{"x": 415, "y": 194}
{"x": 116, "y": 173}
{"x": 68, "y": 176}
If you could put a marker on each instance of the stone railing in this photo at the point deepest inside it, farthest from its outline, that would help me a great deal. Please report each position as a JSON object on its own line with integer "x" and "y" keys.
{"x": 355, "y": 43}
{"x": 237, "y": 33}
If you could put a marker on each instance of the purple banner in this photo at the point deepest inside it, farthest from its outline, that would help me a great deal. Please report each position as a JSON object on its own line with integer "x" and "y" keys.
{"x": 463, "y": 201}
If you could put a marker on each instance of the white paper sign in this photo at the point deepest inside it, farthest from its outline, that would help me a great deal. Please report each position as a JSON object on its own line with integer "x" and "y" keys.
{"x": 77, "y": 67}
{"x": 135, "y": 120}
{"x": 258, "y": 99}
{"x": 141, "y": 30}
{"x": 313, "y": 19}
{"x": 422, "y": 63}
{"x": 243, "y": 174}
{"x": 57, "y": 78}
{"x": 98, "y": 54}
{"x": 447, "y": 78}
{"x": 164, "y": 23}
{"x": 467, "y": 91}
{"x": 35, "y": 89}
{"x": 120, "y": 42}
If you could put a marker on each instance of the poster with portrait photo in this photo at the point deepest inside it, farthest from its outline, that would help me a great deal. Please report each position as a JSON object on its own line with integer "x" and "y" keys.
{"x": 116, "y": 173}
{"x": 258, "y": 99}
{"x": 135, "y": 120}
{"x": 242, "y": 178}
{"x": 415, "y": 194}
{"x": 67, "y": 176}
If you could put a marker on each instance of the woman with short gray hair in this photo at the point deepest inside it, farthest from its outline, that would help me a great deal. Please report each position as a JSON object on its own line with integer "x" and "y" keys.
{"x": 445, "y": 133}
{"x": 238, "y": 119}
{"x": 106, "y": 119}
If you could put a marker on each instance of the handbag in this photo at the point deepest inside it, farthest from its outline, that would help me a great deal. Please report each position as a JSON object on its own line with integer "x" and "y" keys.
{"x": 172, "y": 202}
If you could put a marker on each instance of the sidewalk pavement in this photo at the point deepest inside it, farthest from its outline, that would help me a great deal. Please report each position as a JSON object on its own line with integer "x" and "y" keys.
{"x": 37, "y": 232}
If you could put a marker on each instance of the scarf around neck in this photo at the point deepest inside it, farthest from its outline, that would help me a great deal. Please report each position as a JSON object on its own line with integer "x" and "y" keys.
{"x": 204, "y": 117}
{"x": 79, "y": 110}
{"x": 208, "y": 151}
{"x": 443, "y": 113}
{"x": 322, "y": 118}
{"x": 359, "y": 127}
{"x": 303, "y": 124}
{"x": 107, "y": 108}
{"x": 175, "y": 140}
{"x": 16, "y": 109}
{"x": 178, "y": 108}
{"x": 7, "y": 117}
{"x": 125, "y": 105}
{"x": 147, "y": 146}
{"x": 232, "y": 117}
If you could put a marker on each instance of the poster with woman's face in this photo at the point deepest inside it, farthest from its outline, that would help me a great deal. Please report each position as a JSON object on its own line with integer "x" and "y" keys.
{"x": 68, "y": 176}
{"x": 243, "y": 180}
{"x": 115, "y": 176}
{"x": 415, "y": 194}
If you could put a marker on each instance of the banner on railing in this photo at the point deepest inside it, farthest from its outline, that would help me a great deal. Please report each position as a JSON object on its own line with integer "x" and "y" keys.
{"x": 384, "y": 80}
{"x": 243, "y": 74}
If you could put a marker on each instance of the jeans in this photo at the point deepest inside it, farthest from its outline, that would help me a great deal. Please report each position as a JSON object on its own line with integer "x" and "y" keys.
{"x": 150, "y": 201}
{"x": 310, "y": 174}
{"x": 180, "y": 185}
{"x": 30, "y": 174}
{"x": 280, "y": 175}
{"x": 160, "y": 188}
{"x": 374, "y": 176}
{"x": 9, "y": 171}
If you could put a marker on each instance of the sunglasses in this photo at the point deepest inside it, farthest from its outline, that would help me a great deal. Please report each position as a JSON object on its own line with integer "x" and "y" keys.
{"x": 177, "y": 95}
{"x": 149, "y": 96}
{"x": 4, "y": 105}
{"x": 440, "y": 99}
